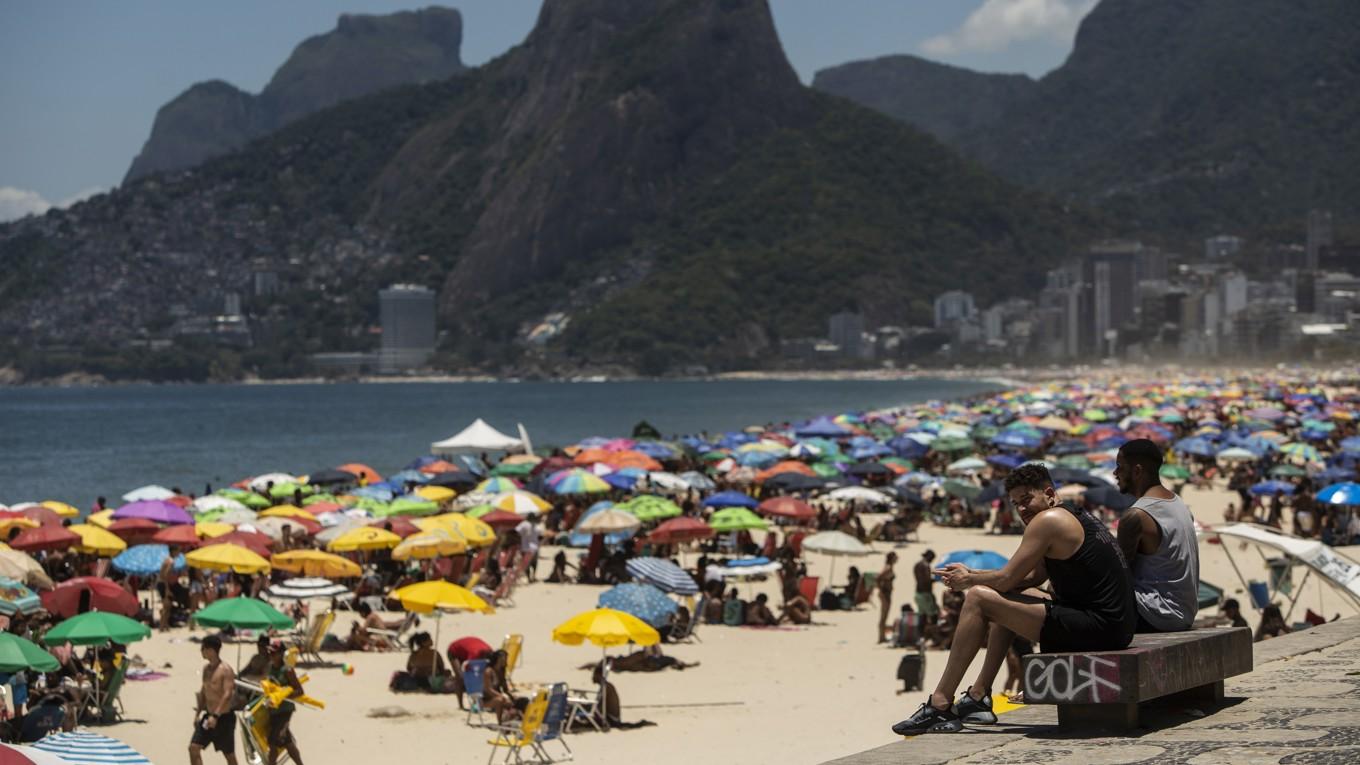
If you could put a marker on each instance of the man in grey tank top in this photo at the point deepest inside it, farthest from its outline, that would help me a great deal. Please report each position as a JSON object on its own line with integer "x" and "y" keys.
{"x": 1157, "y": 536}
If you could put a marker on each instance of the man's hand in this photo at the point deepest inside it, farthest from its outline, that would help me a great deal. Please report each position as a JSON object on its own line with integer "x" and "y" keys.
{"x": 210, "y": 723}
{"x": 956, "y": 576}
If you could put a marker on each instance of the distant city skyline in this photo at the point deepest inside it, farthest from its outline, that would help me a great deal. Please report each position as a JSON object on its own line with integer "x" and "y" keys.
{"x": 83, "y": 78}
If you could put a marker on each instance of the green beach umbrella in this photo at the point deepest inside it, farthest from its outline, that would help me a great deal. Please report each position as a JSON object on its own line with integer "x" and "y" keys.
{"x": 478, "y": 511}
{"x": 320, "y": 497}
{"x": 97, "y": 628}
{"x": 513, "y": 469}
{"x": 826, "y": 469}
{"x": 1174, "y": 473}
{"x": 17, "y": 654}
{"x": 248, "y": 498}
{"x": 1287, "y": 471}
{"x": 284, "y": 490}
{"x": 736, "y": 519}
{"x": 952, "y": 444}
{"x": 649, "y": 507}
{"x": 242, "y": 613}
{"x": 962, "y": 489}
{"x": 408, "y": 506}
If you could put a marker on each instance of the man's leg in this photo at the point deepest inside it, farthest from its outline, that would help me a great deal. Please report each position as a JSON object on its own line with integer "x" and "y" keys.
{"x": 195, "y": 754}
{"x": 1020, "y": 614}
{"x": 999, "y": 640}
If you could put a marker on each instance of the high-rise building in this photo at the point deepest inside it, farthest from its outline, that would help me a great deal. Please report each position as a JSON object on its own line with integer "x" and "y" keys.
{"x": 1232, "y": 291}
{"x": 1222, "y": 247}
{"x": 1319, "y": 236}
{"x": 846, "y": 330}
{"x": 408, "y": 327}
{"x": 953, "y": 307}
{"x": 1110, "y": 302}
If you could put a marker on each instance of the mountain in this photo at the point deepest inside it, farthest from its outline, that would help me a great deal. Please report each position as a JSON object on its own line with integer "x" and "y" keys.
{"x": 653, "y": 171}
{"x": 945, "y": 101}
{"x": 362, "y": 55}
{"x": 1180, "y": 116}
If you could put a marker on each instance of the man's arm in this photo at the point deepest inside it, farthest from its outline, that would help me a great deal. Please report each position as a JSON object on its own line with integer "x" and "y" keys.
{"x": 226, "y": 689}
{"x": 1036, "y": 578}
{"x": 1033, "y": 546}
{"x": 1130, "y": 531}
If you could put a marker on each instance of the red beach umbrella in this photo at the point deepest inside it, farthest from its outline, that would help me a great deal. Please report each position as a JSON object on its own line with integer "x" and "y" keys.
{"x": 135, "y": 531}
{"x": 44, "y": 516}
{"x": 183, "y": 536}
{"x": 787, "y": 507}
{"x": 259, "y": 544}
{"x": 397, "y": 524}
{"x": 678, "y": 530}
{"x": 45, "y": 538}
{"x": 105, "y": 595}
{"x": 500, "y": 520}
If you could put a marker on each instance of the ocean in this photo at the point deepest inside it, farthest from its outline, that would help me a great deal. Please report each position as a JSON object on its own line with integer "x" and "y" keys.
{"x": 74, "y": 444}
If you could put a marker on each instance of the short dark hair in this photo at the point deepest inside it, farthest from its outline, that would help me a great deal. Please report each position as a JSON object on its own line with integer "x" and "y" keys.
{"x": 1231, "y": 603}
{"x": 1031, "y": 475}
{"x": 1141, "y": 451}
{"x": 214, "y": 642}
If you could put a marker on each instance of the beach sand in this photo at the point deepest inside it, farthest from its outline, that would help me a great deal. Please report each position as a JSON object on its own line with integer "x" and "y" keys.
{"x": 801, "y": 695}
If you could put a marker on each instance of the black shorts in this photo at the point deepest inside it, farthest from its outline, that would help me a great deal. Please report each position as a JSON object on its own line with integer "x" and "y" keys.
{"x": 222, "y": 735}
{"x": 1069, "y": 629}
{"x": 279, "y": 733}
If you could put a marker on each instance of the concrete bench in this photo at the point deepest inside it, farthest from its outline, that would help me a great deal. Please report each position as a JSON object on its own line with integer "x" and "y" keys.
{"x": 1104, "y": 689}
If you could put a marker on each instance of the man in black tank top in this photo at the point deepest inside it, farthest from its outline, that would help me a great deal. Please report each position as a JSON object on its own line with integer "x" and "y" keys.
{"x": 1092, "y": 606}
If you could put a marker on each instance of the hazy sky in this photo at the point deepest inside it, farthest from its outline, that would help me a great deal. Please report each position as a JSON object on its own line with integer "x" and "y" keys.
{"x": 81, "y": 80}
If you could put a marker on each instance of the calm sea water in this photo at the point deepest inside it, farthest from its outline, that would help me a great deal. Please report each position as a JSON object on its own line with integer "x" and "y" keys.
{"x": 78, "y": 443}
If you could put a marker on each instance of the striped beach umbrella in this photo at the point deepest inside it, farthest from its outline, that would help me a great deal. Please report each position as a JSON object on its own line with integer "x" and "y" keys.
{"x": 663, "y": 574}
{"x": 86, "y": 748}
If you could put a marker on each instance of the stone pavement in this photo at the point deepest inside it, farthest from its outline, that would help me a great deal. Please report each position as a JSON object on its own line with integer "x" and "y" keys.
{"x": 1299, "y": 706}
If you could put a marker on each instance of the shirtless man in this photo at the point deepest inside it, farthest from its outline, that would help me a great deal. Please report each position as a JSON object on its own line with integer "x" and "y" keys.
{"x": 215, "y": 724}
{"x": 885, "y": 588}
{"x": 1157, "y": 537}
{"x": 1092, "y": 607}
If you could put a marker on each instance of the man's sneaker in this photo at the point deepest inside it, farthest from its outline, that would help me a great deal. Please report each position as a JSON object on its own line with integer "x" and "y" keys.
{"x": 928, "y": 719}
{"x": 977, "y": 711}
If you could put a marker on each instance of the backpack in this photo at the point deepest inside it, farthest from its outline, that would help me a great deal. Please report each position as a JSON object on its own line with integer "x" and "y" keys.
{"x": 734, "y": 612}
{"x": 829, "y": 601}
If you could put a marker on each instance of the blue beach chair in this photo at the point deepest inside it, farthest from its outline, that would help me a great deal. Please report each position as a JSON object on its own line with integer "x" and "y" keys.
{"x": 472, "y": 686}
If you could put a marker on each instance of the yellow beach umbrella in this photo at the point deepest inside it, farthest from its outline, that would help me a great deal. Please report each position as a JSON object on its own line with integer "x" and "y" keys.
{"x": 227, "y": 557}
{"x": 103, "y": 519}
{"x": 436, "y": 493}
{"x": 16, "y": 522}
{"x": 61, "y": 508}
{"x": 364, "y": 538}
{"x": 426, "y": 597}
{"x": 210, "y": 529}
{"x": 286, "y": 511}
{"x": 316, "y": 563}
{"x": 477, "y": 533}
{"x": 520, "y": 502}
{"x": 605, "y": 627}
{"x": 97, "y": 541}
{"x": 430, "y": 544}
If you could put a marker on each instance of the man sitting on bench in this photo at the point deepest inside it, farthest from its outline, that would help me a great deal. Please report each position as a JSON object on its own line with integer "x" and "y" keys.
{"x": 1157, "y": 537}
{"x": 1092, "y": 607}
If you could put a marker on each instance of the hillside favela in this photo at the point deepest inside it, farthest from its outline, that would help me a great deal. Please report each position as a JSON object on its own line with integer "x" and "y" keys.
{"x": 573, "y": 380}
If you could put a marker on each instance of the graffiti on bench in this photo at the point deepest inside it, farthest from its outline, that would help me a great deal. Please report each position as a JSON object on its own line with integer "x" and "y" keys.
{"x": 1072, "y": 679}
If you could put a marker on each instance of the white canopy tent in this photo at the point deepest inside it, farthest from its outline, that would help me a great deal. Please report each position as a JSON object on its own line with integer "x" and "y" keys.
{"x": 480, "y": 437}
{"x": 1342, "y": 573}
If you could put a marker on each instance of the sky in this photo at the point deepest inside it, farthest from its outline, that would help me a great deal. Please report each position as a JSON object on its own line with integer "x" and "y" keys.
{"x": 81, "y": 80}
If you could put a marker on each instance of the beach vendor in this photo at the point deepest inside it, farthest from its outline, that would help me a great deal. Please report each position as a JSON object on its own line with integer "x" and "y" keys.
{"x": 1092, "y": 608}
{"x": 1157, "y": 537}
{"x": 280, "y": 732}
{"x": 214, "y": 722}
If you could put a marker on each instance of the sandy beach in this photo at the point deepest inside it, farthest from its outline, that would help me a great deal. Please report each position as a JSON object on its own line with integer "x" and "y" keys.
{"x": 790, "y": 695}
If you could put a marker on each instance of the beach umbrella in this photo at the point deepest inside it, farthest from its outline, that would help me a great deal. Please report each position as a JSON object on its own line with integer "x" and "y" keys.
{"x": 342, "y": 526}
{"x": 605, "y": 627}
{"x": 180, "y": 536}
{"x": 477, "y": 533}
{"x": 250, "y": 499}
{"x": 263, "y": 481}
{"x": 103, "y": 519}
{"x": 438, "y": 595}
{"x": 227, "y": 557}
{"x": 11, "y": 520}
{"x": 306, "y": 588}
{"x": 513, "y": 469}
{"x": 962, "y": 489}
{"x": 145, "y": 560}
{"x": 96, "y": 628}
{"x": 966, "y": 465}
{"x": 150, "y": 492}
{"x": 1301, "y": 451}
{"x": 663, "y": 574}
{"x": 787, "y": 507}
{"x": 315, "y": 563}
{"x": 497, "y": 485}
{"x": 649, "y": 507}
{"x": 520, "y": 503}
{"x": 679, "y": 531}
{"x": 246, "y": 536}
{"x": 730, "y": 499}
{"x": 82, "y": 747}
{"x": 577, "y": 481}
{"x": 1236, "y": 454}
{"x": 835, "y": 544}
{"x": 952, "y": 444}
{"x": 429, "y": 544}
{"x": 62, "y": 509}
{"x": 45, "y": 538}
{"x": 291, "y": 491}
{"x": 210, "y": 529}
{"x": 860, "y": 494}
{"x": 157, "y": 511}
{"x": 17, "y": 754}
{"x": 1347, "y": 493}
{"x": 364, "y": 538}
{"x": 736, "y": 519}
{"x": 435, "y": 493}
{"x": 607, "y": 521}
{"x": 408, "y": 506}
{"x": 331, "y": 477}
{"x": 454, "y": 479}
{"x": 242, "y": 613}
{"x": 1271, "y": 488}
{"x": 273, "y": 529}
{"x": 644, "y": 601}
{"x": 134, "y": 531}
{"x": 286, "y": 511}
{"x": 21, "y": 567}
{"x": 16, "y": 598}
{"x": 499, "y": 520}
{"x": 97, "y": 541}
{"x": 18, "y": 654}
{"x": 105, "y": 595}
{"x": 667, "y": 481}
{"x": 1110, "y": 497}
{"x": 1174, "y": 473}
{"x": 869, "y": 469}
{"x": 978, "y": 560}
{"x": 698, "y": 480}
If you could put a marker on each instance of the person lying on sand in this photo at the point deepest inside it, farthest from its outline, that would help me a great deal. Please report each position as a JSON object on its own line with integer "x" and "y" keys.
{"x": 649, "y": 659}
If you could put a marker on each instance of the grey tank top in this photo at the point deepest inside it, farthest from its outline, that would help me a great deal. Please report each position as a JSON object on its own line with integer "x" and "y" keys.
{"x": 1166, "y": 583}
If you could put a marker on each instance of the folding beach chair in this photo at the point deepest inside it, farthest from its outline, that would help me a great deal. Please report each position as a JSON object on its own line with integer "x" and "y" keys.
{"x": 687, "y": 632}
{"x": 517, "y": 738}
{"x": 554, "y": 724}
{"x": 513, "y": 646}
{"x": 309, "y": 644}
{"x": 43, "y": 719}
{"x": 504, "y": 595}
{"x": 588, "y": 706}
{"x": 111, "y": 705}
{"x": 399, "y": 636}
{"x": 472, "y": 686}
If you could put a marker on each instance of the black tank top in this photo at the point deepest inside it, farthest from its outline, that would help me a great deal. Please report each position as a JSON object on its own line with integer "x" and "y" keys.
{"x": 1096, "y": 578}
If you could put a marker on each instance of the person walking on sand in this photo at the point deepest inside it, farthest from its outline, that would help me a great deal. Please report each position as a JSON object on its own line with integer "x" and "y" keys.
{"x": 214, "y": 722}
{"x": 1157, "y": 537}
{"x": 1092, "y": 608}
{"x": 925, "y": 593}
{"x": 885, "y": 587}
{"x": 280, "y": 733}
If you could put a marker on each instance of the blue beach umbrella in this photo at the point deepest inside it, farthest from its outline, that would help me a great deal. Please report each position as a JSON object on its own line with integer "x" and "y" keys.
{"x": 641, "y": 600}
{"x": 145, "y": 560}
{"x": 1271, "y": 488}
{"x": 15, "y": 598}
{"x": 730, "y": 499}
{"x": 579, "y": 539}
{"x": 662, "y": 574}
{"x": 1347, "y": 493}
{"x": 978, "y": 560}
